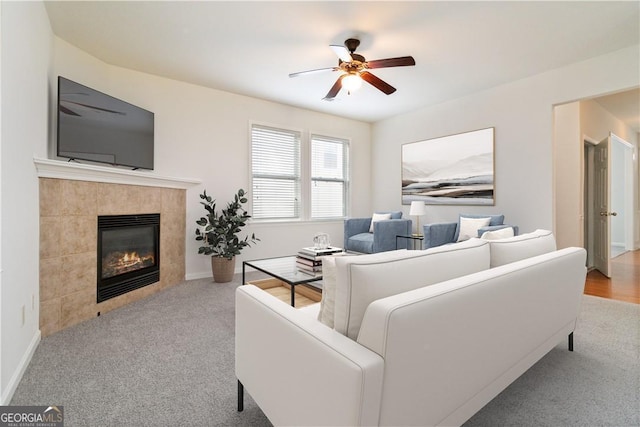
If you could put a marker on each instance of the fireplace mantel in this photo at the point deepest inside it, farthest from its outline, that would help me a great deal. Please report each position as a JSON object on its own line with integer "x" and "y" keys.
{"x": 82, "y": 172}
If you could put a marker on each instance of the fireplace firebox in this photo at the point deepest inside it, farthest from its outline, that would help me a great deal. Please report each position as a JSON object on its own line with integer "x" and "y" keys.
{"x": 128, "y": 253}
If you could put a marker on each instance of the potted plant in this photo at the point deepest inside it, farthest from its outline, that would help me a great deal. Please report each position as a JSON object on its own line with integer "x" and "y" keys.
{"x": 218, "y": 233}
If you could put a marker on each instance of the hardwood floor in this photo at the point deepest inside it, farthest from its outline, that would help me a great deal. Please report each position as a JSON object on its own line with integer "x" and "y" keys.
{"x": 624, "y": 284}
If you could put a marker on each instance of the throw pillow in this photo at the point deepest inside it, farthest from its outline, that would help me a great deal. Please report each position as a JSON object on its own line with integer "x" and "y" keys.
{"x": 502, "y": 233}
{"x": 378, "y": 217}
{"x": 495, "y": 220}
{"x": 469, "y": 227}
{"x": 327, "y": 303}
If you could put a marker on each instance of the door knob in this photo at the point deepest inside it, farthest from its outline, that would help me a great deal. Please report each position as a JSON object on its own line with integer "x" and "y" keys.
{"x": 614, "y": 214}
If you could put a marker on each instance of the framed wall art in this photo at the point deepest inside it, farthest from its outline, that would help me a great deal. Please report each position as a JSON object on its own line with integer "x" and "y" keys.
{"x": 450, "y": 170}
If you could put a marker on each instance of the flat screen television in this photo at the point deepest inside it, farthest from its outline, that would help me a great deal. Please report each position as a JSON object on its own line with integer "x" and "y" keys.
{"x": 97, "y": 127}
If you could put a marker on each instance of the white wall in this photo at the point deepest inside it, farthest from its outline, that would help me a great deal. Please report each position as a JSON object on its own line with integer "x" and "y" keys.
{"x": 522, "y": 114}
{"x": 25, "y": 50}
{"x": 568, "y": 160}
{"x": 204, "y": 134}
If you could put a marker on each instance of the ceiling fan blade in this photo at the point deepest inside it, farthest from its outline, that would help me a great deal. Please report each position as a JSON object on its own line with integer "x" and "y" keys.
{"x": 377, "y": 83}
{"x": 341, "y": 52}
{"x": 318, "y": 70}
{"x": 334, "y": 89}
{"x": 402, "y": 61}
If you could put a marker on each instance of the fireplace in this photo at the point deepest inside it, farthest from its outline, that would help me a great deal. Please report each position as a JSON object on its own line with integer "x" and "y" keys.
{"x": 128, "y": 253}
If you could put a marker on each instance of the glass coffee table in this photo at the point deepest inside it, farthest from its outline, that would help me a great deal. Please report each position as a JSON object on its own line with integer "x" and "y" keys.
{"x": 284, "y": 269}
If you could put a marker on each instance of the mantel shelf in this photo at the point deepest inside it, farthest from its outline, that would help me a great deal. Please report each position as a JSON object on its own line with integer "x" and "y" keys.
{"x": 47, "y": 168}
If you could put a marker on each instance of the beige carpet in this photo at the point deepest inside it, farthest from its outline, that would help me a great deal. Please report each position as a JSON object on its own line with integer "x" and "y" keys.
{"x": 168, "y": 361}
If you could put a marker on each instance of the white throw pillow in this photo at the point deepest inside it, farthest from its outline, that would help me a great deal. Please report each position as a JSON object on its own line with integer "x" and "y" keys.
{"x": 378, "y": 217}
{"x": 501, "y": 233}
{"x": 469, "y": 227}
{"x": 327, "y": 303}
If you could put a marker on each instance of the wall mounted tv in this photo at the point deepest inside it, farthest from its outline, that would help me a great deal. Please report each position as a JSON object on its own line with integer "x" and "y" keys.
{"x": 100, "y": 128}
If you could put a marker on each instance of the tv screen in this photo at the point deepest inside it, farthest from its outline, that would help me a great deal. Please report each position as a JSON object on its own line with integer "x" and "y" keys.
{"x": 100, "y": 128}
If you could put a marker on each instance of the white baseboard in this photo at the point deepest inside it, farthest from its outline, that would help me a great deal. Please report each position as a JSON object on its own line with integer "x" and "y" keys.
{"x": 6, "y": 397}
{"x": 200, "y": 275}
{"x": 208, "y": 274}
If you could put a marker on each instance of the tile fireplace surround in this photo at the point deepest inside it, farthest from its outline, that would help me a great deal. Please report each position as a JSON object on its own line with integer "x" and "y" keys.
{"x": 69, "y": 209}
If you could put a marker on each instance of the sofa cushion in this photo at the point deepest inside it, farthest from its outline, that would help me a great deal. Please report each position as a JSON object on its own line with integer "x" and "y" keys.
{"x": 363, "y": 279}
{"x": 378, "y": 217}
{"x": 362, "y": 243}
{"x": 329, "y": 283}
{"x": 501, "y": 233}
{"x": 505, "y": 251}
{"x": 468, "y": 227}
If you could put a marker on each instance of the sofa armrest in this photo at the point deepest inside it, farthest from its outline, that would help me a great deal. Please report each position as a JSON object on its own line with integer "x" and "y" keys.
{"x": 299, "y": 371}
{"x": 385, "y": 232}
{"x": 439, "y": 234}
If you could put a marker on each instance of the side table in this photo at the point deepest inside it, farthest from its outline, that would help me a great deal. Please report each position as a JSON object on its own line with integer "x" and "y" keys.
{"x": 415, "y": 240}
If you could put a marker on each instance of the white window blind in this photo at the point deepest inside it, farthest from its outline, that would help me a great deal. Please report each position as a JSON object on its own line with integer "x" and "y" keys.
{"x": 275, "y": 165}
{"x": 329, "y": 184}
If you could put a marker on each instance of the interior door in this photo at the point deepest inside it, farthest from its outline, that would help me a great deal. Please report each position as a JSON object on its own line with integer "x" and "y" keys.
{"x": 602, "y": 203}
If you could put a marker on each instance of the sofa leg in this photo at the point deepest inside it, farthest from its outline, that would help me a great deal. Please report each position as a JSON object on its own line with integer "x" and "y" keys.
{"x": 571, "y": 341}
{"x": 240, "y": 397}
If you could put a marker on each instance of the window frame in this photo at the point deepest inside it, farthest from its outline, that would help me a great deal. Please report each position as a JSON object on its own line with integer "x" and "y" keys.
{"x": 346, "y": 169}
{"x": 305, "y": 180}
{"x": 298, "y": 179}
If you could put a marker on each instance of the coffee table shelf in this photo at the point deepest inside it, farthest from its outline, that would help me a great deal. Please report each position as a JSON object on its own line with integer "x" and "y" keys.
{"x": 285, "y": 271}
{"x": 304, "y": 294}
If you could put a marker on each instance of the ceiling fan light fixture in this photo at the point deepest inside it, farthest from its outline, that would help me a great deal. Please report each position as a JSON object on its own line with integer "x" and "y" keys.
{"x": 351, "y": 82}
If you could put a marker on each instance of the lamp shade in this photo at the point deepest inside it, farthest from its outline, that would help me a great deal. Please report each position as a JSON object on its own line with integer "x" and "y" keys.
{"x": 417, "y": 208}
{"x": 351, "y": 82}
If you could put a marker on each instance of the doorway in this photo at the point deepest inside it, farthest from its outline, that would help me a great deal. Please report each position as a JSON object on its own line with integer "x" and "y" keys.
{"x": 608, "y": 200}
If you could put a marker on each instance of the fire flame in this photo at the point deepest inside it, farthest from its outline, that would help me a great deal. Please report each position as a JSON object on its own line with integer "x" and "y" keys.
{"x": 130, "y": 257}
{"x": 123, "y": 262}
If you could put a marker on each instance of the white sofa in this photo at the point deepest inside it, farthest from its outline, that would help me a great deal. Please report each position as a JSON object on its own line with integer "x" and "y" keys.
{"x": 418, "y": 337}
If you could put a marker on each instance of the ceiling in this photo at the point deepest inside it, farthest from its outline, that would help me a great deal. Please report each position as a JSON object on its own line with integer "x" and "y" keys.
{"x": 624, "y": 105}
{"x": 249, "y": 48}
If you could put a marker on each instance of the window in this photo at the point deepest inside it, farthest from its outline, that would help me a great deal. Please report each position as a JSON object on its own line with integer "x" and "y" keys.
{"x": 328, "y": 177}
{"x": 275, "y": 166}
{"x": 285, "y": 188}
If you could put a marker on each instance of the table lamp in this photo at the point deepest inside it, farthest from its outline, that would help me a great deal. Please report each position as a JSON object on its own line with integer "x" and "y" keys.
{"x": 417, "y": 209}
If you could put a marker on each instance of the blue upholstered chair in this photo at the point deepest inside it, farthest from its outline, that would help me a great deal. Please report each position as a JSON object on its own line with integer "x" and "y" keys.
{"x": 439, "y": 234}
{"x": 357, "y": 237}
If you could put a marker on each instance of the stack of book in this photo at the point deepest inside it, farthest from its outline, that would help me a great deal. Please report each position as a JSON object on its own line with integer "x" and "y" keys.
{"x": 310, "y": 259}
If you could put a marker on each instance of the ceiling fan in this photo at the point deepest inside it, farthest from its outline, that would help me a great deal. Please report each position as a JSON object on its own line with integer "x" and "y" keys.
{"x": 355, "y": 68}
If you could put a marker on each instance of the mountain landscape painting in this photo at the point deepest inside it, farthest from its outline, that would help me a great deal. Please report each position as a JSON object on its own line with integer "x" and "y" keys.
{"x": 451, "y": 170}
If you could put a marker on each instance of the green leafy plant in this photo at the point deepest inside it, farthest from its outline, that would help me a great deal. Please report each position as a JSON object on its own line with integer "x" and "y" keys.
{"x": 218, "y": 231}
